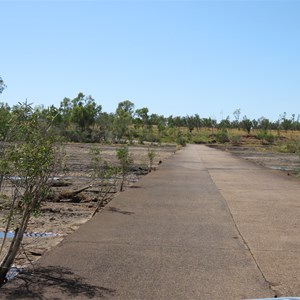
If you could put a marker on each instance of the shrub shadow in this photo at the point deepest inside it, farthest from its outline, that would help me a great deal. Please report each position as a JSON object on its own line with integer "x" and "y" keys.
{"x": 117, "y": 210}
{"x": 135, "y": 187}
{"x": 52, "y": 283}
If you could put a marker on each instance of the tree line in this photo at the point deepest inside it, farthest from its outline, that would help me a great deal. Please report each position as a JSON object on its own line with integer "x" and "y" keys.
{"x": 82, "y": 120}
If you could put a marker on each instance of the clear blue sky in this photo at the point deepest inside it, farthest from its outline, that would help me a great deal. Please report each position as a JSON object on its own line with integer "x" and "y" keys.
{"x": 174, "y": 57}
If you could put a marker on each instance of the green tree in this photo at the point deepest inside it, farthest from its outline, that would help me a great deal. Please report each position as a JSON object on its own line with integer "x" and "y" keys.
{"x": 65, "y": 110}
{"x": 254, "y": 124}
{"x": 126, "y": 107}
{"x": 246, "y": 124}
{"x": 190, "y": 123}
{"x": 2, "y": 85}
{"x": 29, "y": 161}
{"x": 155, "y": 119}
{"x": 5, "y": 115}
{"x": 179, "y": 121}
{"x": 142, "y": 116}
{"x": 198, "y": 121}
{"x": 170, "y": 121}
{"x": 225, "y": 123}
{"x": 142, "y": 120}
{"x": 123, "y": 119}
{"x": 104, "y": 127}
{"x": 159, "y": 121}
{"x": 210, "y": 123}
{"x": 264, "y": 124}
{"x": 84, "y": 111}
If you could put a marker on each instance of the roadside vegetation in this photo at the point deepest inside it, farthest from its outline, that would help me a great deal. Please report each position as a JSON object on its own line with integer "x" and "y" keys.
{"x": 30, "y": 156}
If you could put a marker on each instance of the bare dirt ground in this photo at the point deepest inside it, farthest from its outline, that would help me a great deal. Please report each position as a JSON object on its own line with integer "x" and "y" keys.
{"x": 268, "y": 156}
{"x": 66, "y": 215}
{"x": 288, "y": 163}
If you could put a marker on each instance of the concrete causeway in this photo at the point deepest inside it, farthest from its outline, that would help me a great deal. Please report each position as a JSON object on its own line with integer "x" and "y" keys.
{"x": 206, "y": 225}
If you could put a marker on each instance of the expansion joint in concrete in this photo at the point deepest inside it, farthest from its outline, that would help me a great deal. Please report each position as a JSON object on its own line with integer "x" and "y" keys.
{"x": 246, "y": 244}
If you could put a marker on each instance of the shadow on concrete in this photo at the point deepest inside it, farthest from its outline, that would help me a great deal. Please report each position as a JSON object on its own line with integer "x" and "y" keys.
{"x": 117, "y": 210}
{"x": 38, "y": 284}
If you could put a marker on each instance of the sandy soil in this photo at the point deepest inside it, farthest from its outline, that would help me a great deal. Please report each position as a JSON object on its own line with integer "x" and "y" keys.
{"x": 65, "y": 216}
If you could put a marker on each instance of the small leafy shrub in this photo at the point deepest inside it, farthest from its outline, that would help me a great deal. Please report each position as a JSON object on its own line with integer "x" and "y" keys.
{"x": 30, "y": 158}
{"x": 105, "y": 175}
{"x": 126, "y": 160}
{"x": 290, "y": 147}
{"x": 200, "y": 138}
{"x": 293, "y": 147}
{"x": 222, "y": 136}
{"x": 266, "y": 138}
{"x": 181, "y": 141}
{"x": 236, "y": 140}
{"x": 151, "y": 155}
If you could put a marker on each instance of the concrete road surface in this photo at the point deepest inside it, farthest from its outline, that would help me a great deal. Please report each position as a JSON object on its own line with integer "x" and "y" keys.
{"x": 206, "y": 225}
